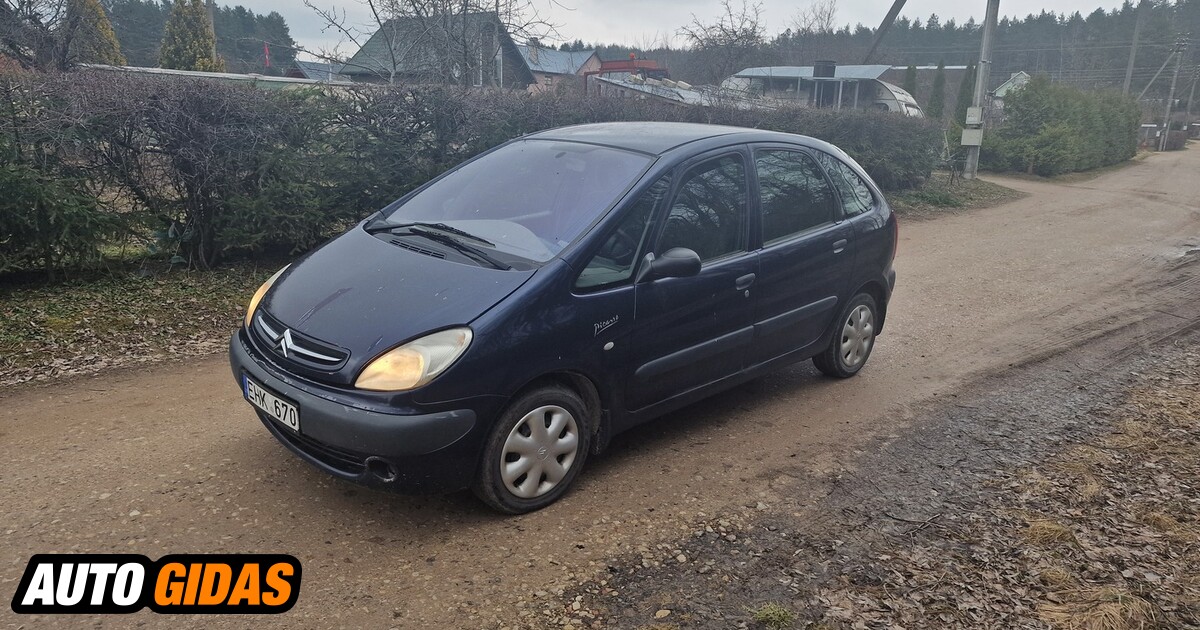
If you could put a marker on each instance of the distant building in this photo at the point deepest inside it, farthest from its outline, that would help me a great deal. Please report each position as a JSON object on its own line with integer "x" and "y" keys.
{"x": 673, "y": 92}
{"x": 1017, "y": 81}
{"x": 640, "y": 67}
{"x": 926, "y": 74}
{"x": 317, "y": 71}
{"x": 472, "y": 49}
{"x": 826, "y": 85}
{"x": 551, "y": 68}
{"x": 265, "y": 82}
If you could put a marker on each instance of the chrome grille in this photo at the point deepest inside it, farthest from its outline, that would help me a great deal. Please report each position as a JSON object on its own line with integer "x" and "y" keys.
{"x": 296, "y": 347}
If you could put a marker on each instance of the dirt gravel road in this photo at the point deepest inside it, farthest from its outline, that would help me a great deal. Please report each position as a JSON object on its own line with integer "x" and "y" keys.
{"x": 168, "y": 459}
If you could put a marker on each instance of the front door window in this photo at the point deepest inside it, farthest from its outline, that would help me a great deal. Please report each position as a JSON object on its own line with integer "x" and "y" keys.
{"x": 708, "y": 214}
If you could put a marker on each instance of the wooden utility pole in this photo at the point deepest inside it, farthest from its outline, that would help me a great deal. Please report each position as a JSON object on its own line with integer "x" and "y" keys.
{"x": 1180, "y": 46}
{"x": 1143, "y": 9}
{"x": 883, "y": 28}
{"x": 1195, "y": 78}
{"x": 973, "y": 134}
{"x": 1156, "y": 74}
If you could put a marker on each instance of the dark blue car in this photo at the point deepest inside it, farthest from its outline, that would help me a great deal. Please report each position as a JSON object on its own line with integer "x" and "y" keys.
{"x": 493, "y": 328}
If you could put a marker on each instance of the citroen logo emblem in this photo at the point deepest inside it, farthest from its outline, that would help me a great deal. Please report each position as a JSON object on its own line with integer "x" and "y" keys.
{"x": 284, "y": 343}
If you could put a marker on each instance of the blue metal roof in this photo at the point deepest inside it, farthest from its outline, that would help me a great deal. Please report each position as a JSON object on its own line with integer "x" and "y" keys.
{"x": 806, "y": 72}
{"x": 553, "y": 61}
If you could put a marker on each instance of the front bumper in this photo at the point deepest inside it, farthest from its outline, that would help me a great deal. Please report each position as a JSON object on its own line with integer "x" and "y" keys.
{"x": 434, "y": 452}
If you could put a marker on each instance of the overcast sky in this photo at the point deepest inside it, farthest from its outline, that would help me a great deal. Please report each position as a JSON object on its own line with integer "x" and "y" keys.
{"x": 641, "y": 22}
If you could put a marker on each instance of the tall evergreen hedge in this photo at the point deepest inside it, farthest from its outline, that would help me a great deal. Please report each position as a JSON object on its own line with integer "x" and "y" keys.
{"x": 1050, "y": 129}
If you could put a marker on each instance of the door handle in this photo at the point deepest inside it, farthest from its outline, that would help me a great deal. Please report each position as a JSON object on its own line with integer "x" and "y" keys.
{"x": 744, "y": 282}
{"x": 839, "y": 246}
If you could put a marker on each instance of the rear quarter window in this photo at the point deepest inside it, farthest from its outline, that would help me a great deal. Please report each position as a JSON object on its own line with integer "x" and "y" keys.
{"x": 856, "y": 195}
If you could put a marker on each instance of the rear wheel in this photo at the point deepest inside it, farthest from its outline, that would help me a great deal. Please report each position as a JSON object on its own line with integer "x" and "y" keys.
{"x": 535, "y": 451}
{"x": 853, "y": 341}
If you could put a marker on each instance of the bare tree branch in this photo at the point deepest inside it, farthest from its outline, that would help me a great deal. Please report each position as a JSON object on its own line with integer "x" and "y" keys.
{"x": 819, "y": 17}
{"x": 730, "y": 41}
{"x": 432, "y": 40}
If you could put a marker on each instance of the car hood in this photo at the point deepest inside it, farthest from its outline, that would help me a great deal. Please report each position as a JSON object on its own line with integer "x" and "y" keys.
{"x": 366, "y": 295}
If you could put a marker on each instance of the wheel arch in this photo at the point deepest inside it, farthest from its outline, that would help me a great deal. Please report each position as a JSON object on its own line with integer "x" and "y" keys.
{"x": 876, "y": 289}
{"x": 587, "y": 390}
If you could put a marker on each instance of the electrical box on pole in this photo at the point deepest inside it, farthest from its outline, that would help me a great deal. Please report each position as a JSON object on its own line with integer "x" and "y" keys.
{"x": 974, "y": 139}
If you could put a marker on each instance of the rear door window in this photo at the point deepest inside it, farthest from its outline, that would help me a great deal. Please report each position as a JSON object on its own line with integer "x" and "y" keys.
{"x": 794, "y": 194}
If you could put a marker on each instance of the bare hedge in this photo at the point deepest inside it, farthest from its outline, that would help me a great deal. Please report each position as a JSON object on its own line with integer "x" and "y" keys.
{"x": 208, "y": 169}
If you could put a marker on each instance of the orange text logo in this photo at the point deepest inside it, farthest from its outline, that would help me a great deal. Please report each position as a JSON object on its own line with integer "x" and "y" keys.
{"x": 185, "y": 583}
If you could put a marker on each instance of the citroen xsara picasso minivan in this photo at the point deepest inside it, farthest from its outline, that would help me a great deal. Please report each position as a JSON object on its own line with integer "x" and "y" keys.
{"x": 496, "y": 326}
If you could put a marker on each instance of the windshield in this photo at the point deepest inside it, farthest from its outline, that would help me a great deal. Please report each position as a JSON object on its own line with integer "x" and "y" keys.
{"x": 530, "y": 198}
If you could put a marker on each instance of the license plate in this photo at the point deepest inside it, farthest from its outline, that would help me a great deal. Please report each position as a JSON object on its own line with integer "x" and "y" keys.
{"x": 284, "y": 411}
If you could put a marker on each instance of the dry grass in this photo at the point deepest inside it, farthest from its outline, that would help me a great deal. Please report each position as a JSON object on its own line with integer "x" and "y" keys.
{"x": 1101, "y": 609}
{"x": 1033, "y": 482}
{"x": 1090, "y": 490}
{"x": 1056, "y": 578}
{"x": 773, "y": 616}
{"x": 1162, "y": 522}
{"x": 1048, "y": 533}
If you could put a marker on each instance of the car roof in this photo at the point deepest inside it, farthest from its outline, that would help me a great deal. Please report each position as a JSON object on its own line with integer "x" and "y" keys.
{"x": 657, "y": 138}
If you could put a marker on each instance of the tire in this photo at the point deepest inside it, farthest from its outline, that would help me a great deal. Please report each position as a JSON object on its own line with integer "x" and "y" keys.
{"x": 516, "y": 445}
{"x": 852, "y": 340}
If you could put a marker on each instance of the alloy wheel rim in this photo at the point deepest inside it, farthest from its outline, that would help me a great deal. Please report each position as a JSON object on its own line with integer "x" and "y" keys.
{"x": 539, "y": 451}
{"x": 858, "y": 334}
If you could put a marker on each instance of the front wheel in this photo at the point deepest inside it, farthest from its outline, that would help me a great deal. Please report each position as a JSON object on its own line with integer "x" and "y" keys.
{"x": 853, "y": 340}
{"x": 535, "y": 451}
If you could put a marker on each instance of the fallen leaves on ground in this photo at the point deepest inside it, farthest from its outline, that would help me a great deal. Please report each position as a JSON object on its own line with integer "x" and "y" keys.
{"x": 939, "y": 195}
{"x": 1099, "y": 532}
{"x": 85, "y": 326}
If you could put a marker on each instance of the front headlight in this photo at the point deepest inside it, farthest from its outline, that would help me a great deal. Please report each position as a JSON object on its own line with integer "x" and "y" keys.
{"x": 415, "y": 363}
{"x": 258, "y": 295}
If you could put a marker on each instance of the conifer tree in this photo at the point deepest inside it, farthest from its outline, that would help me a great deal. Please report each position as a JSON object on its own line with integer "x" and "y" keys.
{"x": 93, "y": 40}
{"x": 188, "y": 40}
{"x": 966, "y": 93}
{"x": 937, "y": 96}
{"x": 910, "y": 81}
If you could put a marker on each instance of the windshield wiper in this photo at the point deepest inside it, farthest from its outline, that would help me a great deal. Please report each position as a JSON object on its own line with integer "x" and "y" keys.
{"x": 469, "y": 250}
{"x": 441, "y": 227}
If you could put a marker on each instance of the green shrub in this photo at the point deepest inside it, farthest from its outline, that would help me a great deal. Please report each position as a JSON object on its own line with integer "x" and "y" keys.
{"x": 48, "y": 222}
{"x": 938, "y": 198}
{"x": 1052, "y": 129}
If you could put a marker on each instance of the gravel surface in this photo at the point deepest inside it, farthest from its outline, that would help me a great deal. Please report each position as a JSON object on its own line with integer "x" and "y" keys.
{"x": 1061, "y": 495}
{"x": 169, "y": 459}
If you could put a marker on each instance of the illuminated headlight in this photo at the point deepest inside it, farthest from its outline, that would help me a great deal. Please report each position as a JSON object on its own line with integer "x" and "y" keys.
{"x": 415, "y": 363}
{"x": 258, "y": 295}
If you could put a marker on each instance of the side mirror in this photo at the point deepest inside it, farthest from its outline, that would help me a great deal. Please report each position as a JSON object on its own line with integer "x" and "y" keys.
{"x": 678, "y": 262}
